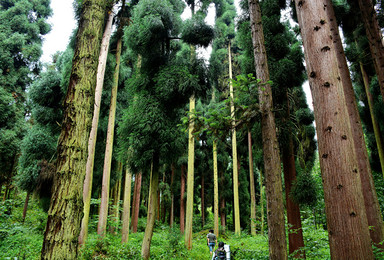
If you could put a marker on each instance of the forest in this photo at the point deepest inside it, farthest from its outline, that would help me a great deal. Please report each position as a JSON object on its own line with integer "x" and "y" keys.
{"x": 152, "y": 129}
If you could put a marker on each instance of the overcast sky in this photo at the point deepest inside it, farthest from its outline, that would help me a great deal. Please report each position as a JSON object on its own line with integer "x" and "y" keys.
{"x": 63, "y": 22}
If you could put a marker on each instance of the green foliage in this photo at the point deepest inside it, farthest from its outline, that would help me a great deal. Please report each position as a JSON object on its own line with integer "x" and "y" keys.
{"x": 197, "y": 32}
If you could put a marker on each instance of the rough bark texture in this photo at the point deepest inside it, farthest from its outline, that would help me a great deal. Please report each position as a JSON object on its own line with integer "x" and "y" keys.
{"x": 136, "y": 202}
{"x": 87, "y": 188}
{"x": 66, "y": 208}
{"x": 344, "y": 205}
{"x": 273, "y": 182}
{"x": 190, "y": 178}
{"x": 252, "y": 185}
{"x": 374, "y": 35}
{"x": 234, "y": 150}
{"x": 215, "y": 190}
{"x": 126, "y": 207}
{"x": 151, "y": 216}
{"x": 182, "y": 204}
{"x": 295, "y": 232}
{"x": 371, "y": 202}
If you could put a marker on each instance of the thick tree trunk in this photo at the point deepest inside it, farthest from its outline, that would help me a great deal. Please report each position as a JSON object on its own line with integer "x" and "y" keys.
{"x": 87, "y": 188}
{"x": 234, "y": 150}
{"x": 182, "y": 204}
{"x": 344, "y": 204}
{"x": 215, "y": 190}
{"x": 126, "y": 207}
{"x": 26, "y": 205}
{"x": 136, "y": 202}
{"x": 66, "y": 207}
{"x": 273, "y": 182}
{"x": 295, "y": 232}
{"x": 374, "y": 35}
{"x": 252, "y": 185}
{"x": 371, "y": 202}
{"x": 151, "y": 216}
{"x": 190, "y": 178}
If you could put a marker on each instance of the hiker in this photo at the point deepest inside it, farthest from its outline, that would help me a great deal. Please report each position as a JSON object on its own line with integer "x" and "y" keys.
{"x": 220, "y": 252}
{"x": 211, "y": 241}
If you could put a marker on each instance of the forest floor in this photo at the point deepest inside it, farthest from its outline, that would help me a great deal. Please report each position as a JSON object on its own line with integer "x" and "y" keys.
{"x": 24, "y": 240}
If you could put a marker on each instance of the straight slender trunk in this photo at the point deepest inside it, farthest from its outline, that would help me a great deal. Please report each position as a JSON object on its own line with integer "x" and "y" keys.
{"x": 151, "y": 216}
{"x": 116, "y": 207}
{"x": 172, "y": 212}
{"x": 190, "y": 178}
{"x": 182, "y": 205}
{"x": 252, "y": 185}
{"x": 26, "y": 205}
{"x": 87, "y": 187}
{"x": 344, "y": 204}
{"x": 273, "y": 182}
{"x": 371, "y": 202}
{"x": 261, "y": 204}
{"x": 126, "y": 207}
{"x": 136, "y": 201}
{"x": 216, "y": 190}
{"x": 222, "y": 204}
{"x": 202, "y": 202}
{"x": 234, "y": 150}
{"x": 376, "y": 128}
{"x": 374, "y": 35}
{"x": 66, "y": 206}
{"x": 103, "y": 216}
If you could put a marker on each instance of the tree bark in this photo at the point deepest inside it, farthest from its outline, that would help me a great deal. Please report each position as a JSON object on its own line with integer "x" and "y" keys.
{"x": 136, "y": 201}
{"x": 222, "y": 204}
{"x": 261, "y": 204}
{"x": 172, "y": 212}
{"x": 190, "y": 178}
{"x": 66, "y": 207}
{"x": 87, "y": 188}
{"x": 182, "y": 205}
{"x": 151, "y": 216}
{"x": 126, "y": 207}
{"x": 234, "y": 149}
{"x": 372, "y": 206}
{"x": 273, "y": 182}
{"x": 202, "y": 202}
{"x": 216, "y": 190}
{"x": 344, "y": 205}
{"x": 252, "y": 185}
{"x": 374, "y": 35}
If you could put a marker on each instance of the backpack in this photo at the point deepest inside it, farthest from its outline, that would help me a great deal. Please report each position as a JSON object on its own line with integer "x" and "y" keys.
{"x": 221, "y": 254}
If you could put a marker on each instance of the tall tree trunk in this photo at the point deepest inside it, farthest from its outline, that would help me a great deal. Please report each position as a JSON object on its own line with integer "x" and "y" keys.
{"x": 252, "y": 185}
{"x": 136, "y": 201}
{"x": 66, "y": 206}
{"x": 223, "y": 213}
{"x": 116, "y": 207}
{"x": 261, "y": 204}
{"x": 87, "y": 188}
{"x": 374, "y": 35}
{"x": 172, "y": 212}
{"x": 215, "y": 190}
{"x": 26, "y": 205}
{"x": 371, "y": 202}
{"x": 376, "y": 128}
{"x": 102, "y": 225}
{"x": 190, "y": 178}
{"x": 182, "y": 205}
{"x": 295, "y": 232}
{"x": 234, "y": 150}
{"x": 202, "y": 202}
{"x": 273, "y": 182}
{"x": 151, "y": 216}
{"x": 126, "y": 207}
{"x": 346, "y": 218}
